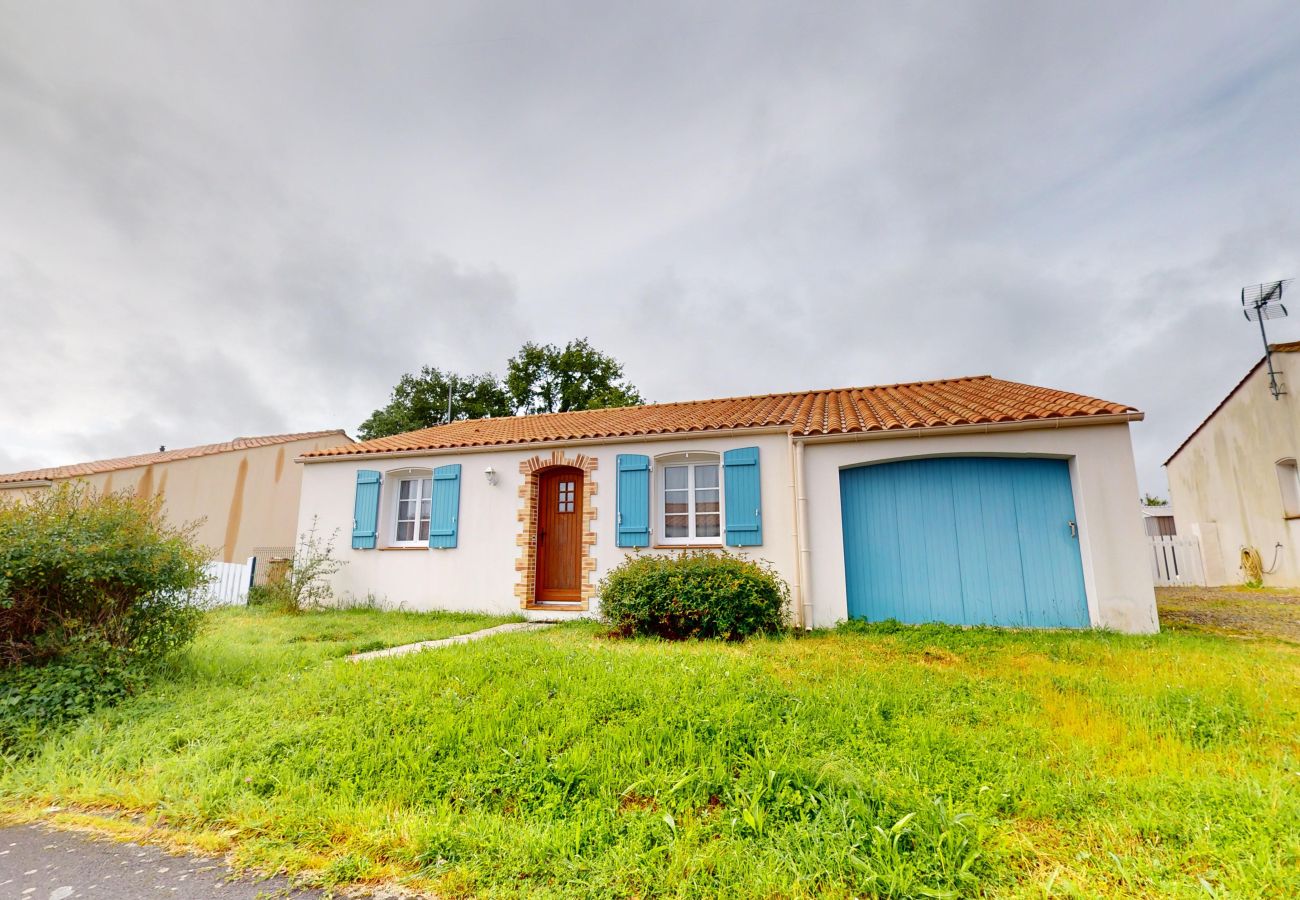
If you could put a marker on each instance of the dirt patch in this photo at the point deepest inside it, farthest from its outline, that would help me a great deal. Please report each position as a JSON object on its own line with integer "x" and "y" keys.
{"x": 1238, "y": 611}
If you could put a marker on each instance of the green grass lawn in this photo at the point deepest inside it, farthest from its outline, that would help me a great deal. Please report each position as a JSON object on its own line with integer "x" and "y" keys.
{"x": 918, "y": 762}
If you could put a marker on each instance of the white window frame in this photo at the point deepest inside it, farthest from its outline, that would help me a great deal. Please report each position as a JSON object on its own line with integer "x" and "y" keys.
{"x": 690, "y": 460}
{"x": 1288, "y": 482}
{"x": 393, "y": 480}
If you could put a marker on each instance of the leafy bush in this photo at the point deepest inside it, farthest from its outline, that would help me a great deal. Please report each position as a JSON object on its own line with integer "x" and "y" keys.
{"x": 305, "y": 583}
{"x": 34, "y": 699}
{"x": 85, "y": 572}
{"x": 694, "y": 595}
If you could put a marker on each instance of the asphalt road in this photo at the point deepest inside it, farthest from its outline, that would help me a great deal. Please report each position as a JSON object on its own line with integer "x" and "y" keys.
{"x": 40, "y": 864}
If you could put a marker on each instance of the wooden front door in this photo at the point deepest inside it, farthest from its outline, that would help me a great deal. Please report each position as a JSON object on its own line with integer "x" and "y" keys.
{"x": 559, "y": 535}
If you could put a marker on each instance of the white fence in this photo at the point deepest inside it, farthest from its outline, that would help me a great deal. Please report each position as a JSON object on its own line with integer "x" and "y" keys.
{"x": 1176, "y": 560}
{"x": 230, "y": 581}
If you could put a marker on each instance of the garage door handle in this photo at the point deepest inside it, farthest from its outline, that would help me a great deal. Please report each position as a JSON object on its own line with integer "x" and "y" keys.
{"x": 1074, "y": 529}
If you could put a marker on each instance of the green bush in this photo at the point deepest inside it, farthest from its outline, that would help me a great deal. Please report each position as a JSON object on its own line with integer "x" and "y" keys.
{"x": 694, "y": 595}
{"x": 95, "y": 589}
{"x": 80, "y": 569}
{"x": 34, "y": 699}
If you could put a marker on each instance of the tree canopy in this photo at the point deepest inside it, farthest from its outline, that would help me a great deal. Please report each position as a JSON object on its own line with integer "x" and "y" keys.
{"x": 539, "y": 378}
{"x": 548, "y": 378}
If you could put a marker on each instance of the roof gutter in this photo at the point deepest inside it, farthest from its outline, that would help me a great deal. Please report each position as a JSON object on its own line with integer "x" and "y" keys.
{"x": 981, "y": 428}
{"x": 550, "y": 445}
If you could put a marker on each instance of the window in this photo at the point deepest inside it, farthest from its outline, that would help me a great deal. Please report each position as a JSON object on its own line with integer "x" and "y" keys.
{"x": 566, "y": 496}
{"x": 414, "y": 496}
{"x": 690, "y": 499}
{"x": 1288, "y": 479}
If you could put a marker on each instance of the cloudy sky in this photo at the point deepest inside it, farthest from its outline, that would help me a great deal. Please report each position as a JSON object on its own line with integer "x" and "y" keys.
{"x": 241, "y": 218}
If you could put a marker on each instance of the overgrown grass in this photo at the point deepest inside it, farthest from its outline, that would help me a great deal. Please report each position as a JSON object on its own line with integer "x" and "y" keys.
{"x": 897, "y": 762}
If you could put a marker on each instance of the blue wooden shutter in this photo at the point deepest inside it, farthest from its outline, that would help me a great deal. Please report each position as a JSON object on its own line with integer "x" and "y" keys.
{"x": 443, "y": 518}
{"x": 744, "y": 500}
{"x": 633, "y": 500}
{"x": 365, "y": 511}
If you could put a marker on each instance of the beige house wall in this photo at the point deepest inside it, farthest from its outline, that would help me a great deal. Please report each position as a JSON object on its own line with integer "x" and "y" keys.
{"x": 1224, "y": 484}
{"x": 245, "y": 498}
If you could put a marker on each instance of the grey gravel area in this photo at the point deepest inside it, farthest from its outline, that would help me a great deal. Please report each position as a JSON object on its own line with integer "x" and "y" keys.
{"x": 447, "y": 642}
{"x": 41, "y": 864}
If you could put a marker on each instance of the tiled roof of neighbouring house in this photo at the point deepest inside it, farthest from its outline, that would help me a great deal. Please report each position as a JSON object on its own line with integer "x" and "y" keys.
{"x": 100, "y": 466}
{"x": 978, "y": 400}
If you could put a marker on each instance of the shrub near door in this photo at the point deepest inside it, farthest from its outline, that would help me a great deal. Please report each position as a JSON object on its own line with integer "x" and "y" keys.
{"x": 694, "y": 595}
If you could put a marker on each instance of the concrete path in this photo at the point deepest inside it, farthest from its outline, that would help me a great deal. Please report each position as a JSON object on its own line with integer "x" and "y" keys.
{"x": 41, "y": 864}
{"x": 447, "y": 642}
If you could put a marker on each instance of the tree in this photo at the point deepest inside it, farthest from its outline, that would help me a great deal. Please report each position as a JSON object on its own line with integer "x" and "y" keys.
{"x": 545, "y": 378}
{"x": 1153, "y": 500}
{"x": 539, "y": 378}
{"x": 420, "y": 401}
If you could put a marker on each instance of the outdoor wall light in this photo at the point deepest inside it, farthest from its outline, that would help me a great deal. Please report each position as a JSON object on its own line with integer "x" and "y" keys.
{"x": 490, "y": 474}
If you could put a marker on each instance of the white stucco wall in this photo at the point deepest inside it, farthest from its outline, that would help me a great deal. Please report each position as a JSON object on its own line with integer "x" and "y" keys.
{"x": 1117, "y": 576}
{"x": 479, "y": 574}
{"x": 1224, "y": 483}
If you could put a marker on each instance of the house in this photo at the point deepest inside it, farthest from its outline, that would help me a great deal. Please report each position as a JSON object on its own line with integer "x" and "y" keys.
{"x": 969, "y": 500}
{"x": 1159, "y": 520}
{"x": 244, "y": 490}
{"x": 1234, "y": 480}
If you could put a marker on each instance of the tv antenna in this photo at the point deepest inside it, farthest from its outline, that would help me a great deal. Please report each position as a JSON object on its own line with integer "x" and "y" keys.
{"x": 1258, "y": 303}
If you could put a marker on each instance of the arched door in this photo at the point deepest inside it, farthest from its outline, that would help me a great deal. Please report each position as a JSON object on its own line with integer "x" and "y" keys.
{"x": 559, "y": 535}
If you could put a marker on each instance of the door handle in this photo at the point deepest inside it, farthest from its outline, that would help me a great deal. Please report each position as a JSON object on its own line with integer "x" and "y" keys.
{"x": 1074, "y": 529}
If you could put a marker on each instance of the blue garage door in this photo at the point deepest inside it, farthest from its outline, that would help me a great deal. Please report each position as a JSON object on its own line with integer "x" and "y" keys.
{"x": 969, "y": 541}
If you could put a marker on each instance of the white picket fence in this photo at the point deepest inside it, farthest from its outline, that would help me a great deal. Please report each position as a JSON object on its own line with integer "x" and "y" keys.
{"x": 1176, "y": 560}
{"x": 230, "y": 581}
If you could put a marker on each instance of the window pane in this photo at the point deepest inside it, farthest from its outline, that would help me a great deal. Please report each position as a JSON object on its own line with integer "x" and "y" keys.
{"x": 676, "y": 526}
{"x": 424, "y": 509}
{"x": 707, "y": 501}
{"x": 706, "y": 476}
{"x": 405, "y": 509}
{"x": 707, "y": 526}
{"x": 426, "y": 487}
{"x": 405, "y": 530}
{"x": 406, "y": 489}
{"x": 424, "y": 529}
{"x": 676, "y": 478}
{"x": 676, "y": 501}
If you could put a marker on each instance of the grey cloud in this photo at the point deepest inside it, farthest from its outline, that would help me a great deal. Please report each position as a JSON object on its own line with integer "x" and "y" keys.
{"x": 287, "y": 206}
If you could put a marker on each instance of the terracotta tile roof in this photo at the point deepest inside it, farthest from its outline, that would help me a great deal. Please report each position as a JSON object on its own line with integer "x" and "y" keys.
{"x": 1288, "y": 347}
{"x": 100, "y": 466}
{"x": 895, "y": 407}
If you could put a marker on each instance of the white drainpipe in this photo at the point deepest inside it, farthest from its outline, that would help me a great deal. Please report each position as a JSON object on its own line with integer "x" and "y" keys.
{"x": 801, "y": 530}
{"x": 797, "y": 593}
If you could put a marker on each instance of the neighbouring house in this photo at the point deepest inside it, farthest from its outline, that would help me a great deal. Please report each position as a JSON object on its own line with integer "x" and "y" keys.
{"x": 970, "y": 500}
{"x": 245, "y": 490}
{"x": 1159, "y": 520}
{"x": 1234, "y": 479}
